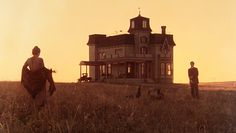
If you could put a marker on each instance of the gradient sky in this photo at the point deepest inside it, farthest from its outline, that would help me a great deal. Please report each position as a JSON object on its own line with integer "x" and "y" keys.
{"x": 204, "y": 31}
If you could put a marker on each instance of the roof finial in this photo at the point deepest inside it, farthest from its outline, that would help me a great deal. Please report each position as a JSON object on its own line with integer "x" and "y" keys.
{"x": 139, "y": 11}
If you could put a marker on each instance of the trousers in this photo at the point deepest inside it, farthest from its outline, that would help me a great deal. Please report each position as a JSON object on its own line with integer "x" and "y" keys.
{"x": 194, "y": 90}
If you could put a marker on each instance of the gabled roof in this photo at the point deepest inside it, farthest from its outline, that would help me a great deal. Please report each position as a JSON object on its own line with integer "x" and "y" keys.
{"x": 160, "y": 38}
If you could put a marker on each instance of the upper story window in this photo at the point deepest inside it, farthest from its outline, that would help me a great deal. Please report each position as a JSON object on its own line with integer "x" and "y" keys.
{"x": 119, "y": 52}
{"x": 142, "y": 69}
{"x": 143, "y": 50}
{"x": 132, "y": 24}
{"x": 144, "y": 24}
{"x": 143, "y": 39}
{"x": 168, "y": 69}
{"x": 103, "y": 55}
{"x": 100, "y": 55}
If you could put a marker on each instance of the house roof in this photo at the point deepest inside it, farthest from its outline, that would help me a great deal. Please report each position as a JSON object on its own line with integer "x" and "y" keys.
{"x": 138, "y": 24}
{"x": 139, "y": 17}
{"x": 128, "y": 39}
{"x": 160, "y": 38}
{"x": 103, "y": 40}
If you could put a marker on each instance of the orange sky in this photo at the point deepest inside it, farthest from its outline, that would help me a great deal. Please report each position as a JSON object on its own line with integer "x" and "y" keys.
{"x": 204, "y": 31}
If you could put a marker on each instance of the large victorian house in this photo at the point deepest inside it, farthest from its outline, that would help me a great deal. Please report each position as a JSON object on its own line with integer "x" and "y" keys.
{"x": 140, "y": 54}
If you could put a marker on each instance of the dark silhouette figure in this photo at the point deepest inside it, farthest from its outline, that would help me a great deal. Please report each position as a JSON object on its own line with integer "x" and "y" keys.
{"x": 156, "y": 94}
{"x": 193, "y": 80}
{"x": 34, "y": 77}
{"x": 138, "y": 94}
{"x": 160, "y": 95}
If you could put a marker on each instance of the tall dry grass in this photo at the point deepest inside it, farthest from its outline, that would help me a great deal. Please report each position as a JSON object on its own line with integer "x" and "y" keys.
{"x": 97, "y": 107}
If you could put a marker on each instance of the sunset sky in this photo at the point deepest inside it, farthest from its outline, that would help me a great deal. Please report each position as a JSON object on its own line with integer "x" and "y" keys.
{"x": 204, "y": 31}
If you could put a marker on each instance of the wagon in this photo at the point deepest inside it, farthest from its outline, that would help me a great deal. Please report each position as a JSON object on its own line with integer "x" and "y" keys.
{"x": 85, "y": 78}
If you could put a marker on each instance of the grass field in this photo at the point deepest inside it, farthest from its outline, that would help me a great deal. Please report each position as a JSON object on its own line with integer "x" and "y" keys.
{"x": 98, "y": 107}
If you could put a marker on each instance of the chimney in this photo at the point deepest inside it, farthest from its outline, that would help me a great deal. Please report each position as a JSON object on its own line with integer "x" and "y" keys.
{"x": 163, "y": 30}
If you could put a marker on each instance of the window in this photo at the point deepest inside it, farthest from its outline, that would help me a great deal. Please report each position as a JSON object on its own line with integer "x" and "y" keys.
{"x": 143, "y": 50}
{"x": 129, "y": 68}
{"x": 132, "y": 24}
{"x": 162, "y": 69}
{"x": 100, "y": 55}
{"x": 143, "y": 39}
{"x": 142, "y": 68}
{"x": 168, "y": 69}
{"x": 109, "y": 68}
{"x": 144, "y": 24}
{"x": 100, "y": 70}
{"x": 118, "y": 52}
{"x": 103, "y": 70}
{"x": 103, "y": 55}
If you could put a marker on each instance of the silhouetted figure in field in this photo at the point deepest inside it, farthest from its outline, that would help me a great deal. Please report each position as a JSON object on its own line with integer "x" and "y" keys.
{"x": 156, "y": 93}
{"x": 193, "y": 80}
{"x": 137, "y": 95}
{"x": 34, "y": 77}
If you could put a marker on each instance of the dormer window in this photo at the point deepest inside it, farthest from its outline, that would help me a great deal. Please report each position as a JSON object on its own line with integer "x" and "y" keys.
{"x": 144, "y": 24}
{"x": 132, "y": 24}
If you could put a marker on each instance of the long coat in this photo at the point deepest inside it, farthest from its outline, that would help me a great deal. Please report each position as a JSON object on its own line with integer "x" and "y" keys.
{"x": 193, "y": 75}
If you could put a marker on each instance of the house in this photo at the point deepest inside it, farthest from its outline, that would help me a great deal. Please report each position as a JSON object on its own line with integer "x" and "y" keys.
{"x": 140, "y": 54}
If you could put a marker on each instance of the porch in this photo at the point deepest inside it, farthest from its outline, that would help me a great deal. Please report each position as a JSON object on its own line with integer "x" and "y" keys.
{"x": 129, "y": 69}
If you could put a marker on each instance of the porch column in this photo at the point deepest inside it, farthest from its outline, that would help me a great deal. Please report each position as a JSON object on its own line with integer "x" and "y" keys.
{"x": 135, "y": 70}
{"x": 86, "y": 68}
{"x": 106, "y": 70}
{"x": 111, "y": 69}
{"x": 145, "y": 69}
{"x": 98, "y": 68}
{"x": 126, "y": 69}
{"x": 148, "y": 69}
{"x": 80, "y": 70}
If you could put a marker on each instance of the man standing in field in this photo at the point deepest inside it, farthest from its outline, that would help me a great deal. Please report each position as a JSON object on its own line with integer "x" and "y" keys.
{"x": 193, "y": 79}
